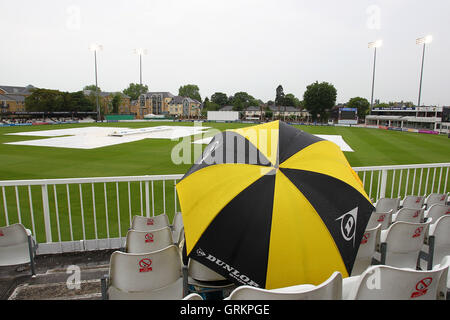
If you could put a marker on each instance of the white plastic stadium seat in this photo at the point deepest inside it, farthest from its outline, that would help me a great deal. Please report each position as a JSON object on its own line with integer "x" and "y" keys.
{"x": 203, "y": 277}
{"x": 331, "y": 289}
{"x": 437, "y": 245}
{"x": 387, "y": 204}
{"x": 401, "y": 243}
{"x": 141, "y": 223}
{"x": 415, "y": 202}
{"x": 436, "y": 211}
{"x": 445, "y": 263}
{"x": 383, "y": 218}
{"x": 152, "y": 276}
{"x": 382, "y": 282}
{"x": 148, "y": 241}
{"x": 408, "y": 215}
{"x": 436, "y": 198}
{"x": 17, "y": 246}
{"x": 177, "y": 227}
{"x": 366, "y": 250}
{"x": 193, "y": 296}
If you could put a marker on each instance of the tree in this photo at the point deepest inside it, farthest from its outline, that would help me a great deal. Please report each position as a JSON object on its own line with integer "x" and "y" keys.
{"x": 361, "y": 104}
{"x": 92, "y": 87}
{"x": 134, "y": 90}
{"x": 318, "y": 98}
{"x": 45, "y": 100}
{"x": 190, "y": 90}
{"x": 115, "y": 102}
{"x": 291, "y": 100}
{"x": 210, "y": 106}
{"x": 242, "y": 100}
{"x": 219, "y": 98}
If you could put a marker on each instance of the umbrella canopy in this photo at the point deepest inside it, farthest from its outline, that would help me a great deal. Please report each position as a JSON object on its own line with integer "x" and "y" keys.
{"x": 273, "y": 206}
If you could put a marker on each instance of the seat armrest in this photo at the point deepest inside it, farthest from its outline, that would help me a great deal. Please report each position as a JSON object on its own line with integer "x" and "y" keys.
{"x": 104, "y": 284}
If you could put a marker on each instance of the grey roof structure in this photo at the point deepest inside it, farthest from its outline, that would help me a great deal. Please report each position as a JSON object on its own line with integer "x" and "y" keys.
{"x": 253, "y": 108}
{"x": 226, "y": 108}
{"x": 180, "y": 99}
{"x": 283, "y": 109}
{"x": 165, "y": 94}
{"x": 15, "y": 90}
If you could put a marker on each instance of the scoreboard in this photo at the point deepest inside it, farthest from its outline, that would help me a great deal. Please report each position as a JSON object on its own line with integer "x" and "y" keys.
{"x": 348, "y": 116}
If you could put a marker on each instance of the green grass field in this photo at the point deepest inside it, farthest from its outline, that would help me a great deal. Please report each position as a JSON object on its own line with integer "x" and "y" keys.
{"x": 153, "y": 157}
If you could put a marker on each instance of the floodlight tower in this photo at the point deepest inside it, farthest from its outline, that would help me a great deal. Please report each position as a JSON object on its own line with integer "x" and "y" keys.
{"x": 140, "y": 52}
{"x": 375, "y": 45}
{"x": 424, "y": 41}
{"x": 96, "y": 47}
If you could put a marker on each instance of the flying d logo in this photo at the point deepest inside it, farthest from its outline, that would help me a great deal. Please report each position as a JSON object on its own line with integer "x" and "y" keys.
{"x": 348, "y": 224}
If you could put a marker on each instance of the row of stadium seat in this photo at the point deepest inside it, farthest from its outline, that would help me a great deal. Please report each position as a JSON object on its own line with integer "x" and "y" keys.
{"x": 160, "y": 275}
{"x": 198, "y": 279}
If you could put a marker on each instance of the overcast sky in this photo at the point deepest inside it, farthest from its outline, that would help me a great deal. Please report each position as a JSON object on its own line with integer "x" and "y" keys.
{"x": 230, "y": 45}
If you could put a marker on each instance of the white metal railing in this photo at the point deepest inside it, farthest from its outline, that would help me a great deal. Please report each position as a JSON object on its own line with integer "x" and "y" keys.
{"x": 95, "y": 213}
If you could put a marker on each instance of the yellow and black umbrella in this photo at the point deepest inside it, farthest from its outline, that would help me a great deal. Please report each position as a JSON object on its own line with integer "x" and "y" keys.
{"x": 273, "y": 206}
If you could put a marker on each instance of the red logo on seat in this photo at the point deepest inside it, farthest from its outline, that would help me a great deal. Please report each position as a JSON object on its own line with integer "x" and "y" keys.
{"x": 417, "y": 232}
{"x": 150, "y": 222}
{"x": 144, "y": 265}
{"x": 1, "y": 234}
{"x": 422, "y": 287}
{"x": 418, "y": 199}
{"x": 381, "y": 218}
{"x": 365, "y": 238}
{"x": 416, "y": 214}
{"x": 443, "y": 197}
{"x": 149, "y": 237}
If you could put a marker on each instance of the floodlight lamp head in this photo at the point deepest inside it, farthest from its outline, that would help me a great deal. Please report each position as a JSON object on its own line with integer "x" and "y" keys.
{"x": 96, "y": 47}
{"x": 140, "y": 51}
{"x": 424, "y": 40}
{"x": 376, "y": 44}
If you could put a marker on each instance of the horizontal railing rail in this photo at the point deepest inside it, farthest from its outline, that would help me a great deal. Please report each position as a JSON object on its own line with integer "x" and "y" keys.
{"x": 79, "y": 214}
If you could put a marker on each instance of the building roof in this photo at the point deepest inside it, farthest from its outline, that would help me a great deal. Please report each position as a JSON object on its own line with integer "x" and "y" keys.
{"x": 226, "y": 108}
{"x": 17, "y": 90}
{"x": 180, "y": 99}
{"x": 253, "y": 108}
{"x": 283, "y": 108}
{"x": 164, "y": 94}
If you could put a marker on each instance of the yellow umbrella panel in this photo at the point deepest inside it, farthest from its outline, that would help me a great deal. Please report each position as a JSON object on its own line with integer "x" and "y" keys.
{"x": 292, "y": 214}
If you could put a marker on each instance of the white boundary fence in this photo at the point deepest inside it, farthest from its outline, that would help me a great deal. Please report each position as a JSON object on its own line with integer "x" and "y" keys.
{"x": 68, "y": 215}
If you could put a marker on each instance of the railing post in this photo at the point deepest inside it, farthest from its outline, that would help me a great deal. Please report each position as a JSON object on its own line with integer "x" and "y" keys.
{"x": 147, "y": 200}
{"x": 46, "y": 208}
{"x": 383, "y": 183}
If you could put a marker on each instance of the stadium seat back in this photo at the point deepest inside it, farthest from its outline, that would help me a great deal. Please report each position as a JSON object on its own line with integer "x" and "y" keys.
{"x": 409, "y": 215}
{"x": 383, "y": 218}
{"x": 437, "y": 210}
{"x": 141, "y": 223}
{"x": 387, "y": 204}
{"x": 14, "y": 245}
{"x": 404, "y": 241}
{"x": 331, "y": 289}
{"x": 383, "y": 282}
{"x": 436, "y": 198}
{"x": 441, "y": 232}
{"x": 148, "y": 241}
{"x": 366, "y": 250}
{"x": 155, "y": 275}
{"x": 177, "y": 226}
{"x": 414, "y": 202}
